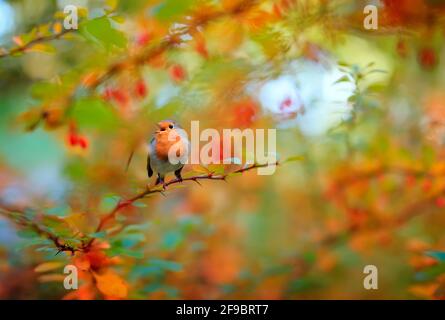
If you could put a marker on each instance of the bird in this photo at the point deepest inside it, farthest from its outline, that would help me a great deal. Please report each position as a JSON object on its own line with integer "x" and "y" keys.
{"x": 168, "y": 135}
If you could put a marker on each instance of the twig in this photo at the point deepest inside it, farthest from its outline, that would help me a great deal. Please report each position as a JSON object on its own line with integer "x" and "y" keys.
{"x": 25, "y": 222}
{"x": 159, "y": 189}
{"x": 400, "y": 219}
{"x": 30, "y": 44}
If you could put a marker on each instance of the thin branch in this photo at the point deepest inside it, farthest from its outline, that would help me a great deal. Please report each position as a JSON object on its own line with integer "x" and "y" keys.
{"x": 405, "y": 215}
{"x": 30, "y": 44}
{"x": 18, "y": 216}
{"x": 160, "y": 189}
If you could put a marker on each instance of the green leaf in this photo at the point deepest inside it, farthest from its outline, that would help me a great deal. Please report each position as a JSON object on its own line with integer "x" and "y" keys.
{"x": 118, "y": 251}
{"x": 293, "y": 159}
{"x": 94, "y": 113}
{"x": 303, "y": 284}
{"x": 109, "y": 202}
{"x": 101, "y": 31}
{"x": 136, "y": 228}
{"x": 28, "y": 234}
{"x": 100, "y": 234}
{"x": 376, "y": 71}
{"x": 170, "y": 9}
{"x": 345, "y": 78}
{"x": 43, "y": 90}
{"x": 61, "y": 211}
{"x": 165, "y": 265}
{"x": 172, "y": 240}
{"x": 438, "y": 255}
{"x": 138, "y": 204}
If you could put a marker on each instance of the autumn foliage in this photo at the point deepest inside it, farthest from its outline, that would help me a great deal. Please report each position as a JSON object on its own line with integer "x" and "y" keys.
{"x": 359, "y": 180}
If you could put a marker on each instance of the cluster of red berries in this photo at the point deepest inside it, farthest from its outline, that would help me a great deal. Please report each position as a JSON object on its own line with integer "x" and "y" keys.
{"x": 76, "y": 139}
{"x": 427, "y": 57}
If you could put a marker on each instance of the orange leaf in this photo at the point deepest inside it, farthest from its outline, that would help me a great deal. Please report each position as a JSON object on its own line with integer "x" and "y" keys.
{"x": 18, "y": 41}
{"x": 57, "y": 27}
{"x": 111, "y": 285}
{"x": 224, "y": 37}
{"x": 423, "y": 290}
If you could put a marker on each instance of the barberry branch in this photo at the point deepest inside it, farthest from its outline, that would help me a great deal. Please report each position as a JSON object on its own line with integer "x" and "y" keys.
{"x": 161, "y": 188}
{"x": 340, "y": 185}
{"x": 18, "y": 216}
{"x": 39, "y": 40}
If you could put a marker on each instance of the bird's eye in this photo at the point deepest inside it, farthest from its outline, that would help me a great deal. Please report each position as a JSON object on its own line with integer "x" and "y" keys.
{"x": 170, "y": 126}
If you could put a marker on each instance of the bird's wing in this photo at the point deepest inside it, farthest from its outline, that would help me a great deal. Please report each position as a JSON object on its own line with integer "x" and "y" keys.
{"x": 149, "y": 169}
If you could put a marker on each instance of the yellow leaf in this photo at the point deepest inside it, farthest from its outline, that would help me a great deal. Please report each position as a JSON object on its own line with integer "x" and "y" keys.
{"x": 78, "y": 221}
{"x": 200, "y": 169}
{"x": 83, "y": 12}
{"x": 111, "y": 4}
{"x": 42, "y": 47}
{"x": 57, "y": 28}
{"x": 224, "y": 36}
{"x": 216, "y": 168}
{"x": 53, "y": 277}
{"x": 48, "y": 266}
{"x": 111, "y": 284}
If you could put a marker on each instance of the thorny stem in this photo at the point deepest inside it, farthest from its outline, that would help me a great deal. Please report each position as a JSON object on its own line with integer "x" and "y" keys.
{"x": 23, "y": 221}
{"x": 405, "y": 215}
{"x": 159, "y": 189}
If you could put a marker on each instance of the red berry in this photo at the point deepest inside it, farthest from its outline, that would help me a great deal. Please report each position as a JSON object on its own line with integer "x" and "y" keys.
{"x": 440, "y": 202}
{"x": 428, "y": 58}
{"x": 427, "y": 185}
{"x": 245, "y": 112}
{"x": 143, "y": 39}
{"x": 287, "y": 103}
{"x": 72, "y": 139}
{"x": 141, "y": 89}
{"x": 410, "y": 181}
{"x": 202, "y": 49}
{"x": 83, "y": 142}
{"x": 121, "y": 97}
{"x": 177, "y": 73}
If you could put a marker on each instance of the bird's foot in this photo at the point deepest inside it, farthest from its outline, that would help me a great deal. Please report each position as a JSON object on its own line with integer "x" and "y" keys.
{"x": 178, "y": 175}
{"x": 160, "y": 180}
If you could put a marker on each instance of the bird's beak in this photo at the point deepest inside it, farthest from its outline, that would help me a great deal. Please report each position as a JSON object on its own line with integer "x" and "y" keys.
{"x": 158, "y": 128}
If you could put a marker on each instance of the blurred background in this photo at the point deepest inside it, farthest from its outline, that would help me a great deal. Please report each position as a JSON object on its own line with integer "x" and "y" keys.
{"x": 359, "y": 112}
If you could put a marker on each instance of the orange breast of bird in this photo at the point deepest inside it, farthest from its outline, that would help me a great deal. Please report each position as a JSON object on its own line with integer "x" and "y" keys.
{"x": 163, "y": 145}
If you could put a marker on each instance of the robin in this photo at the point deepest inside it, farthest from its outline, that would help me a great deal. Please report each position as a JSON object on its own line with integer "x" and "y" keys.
{"x": 169, "y": 138}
